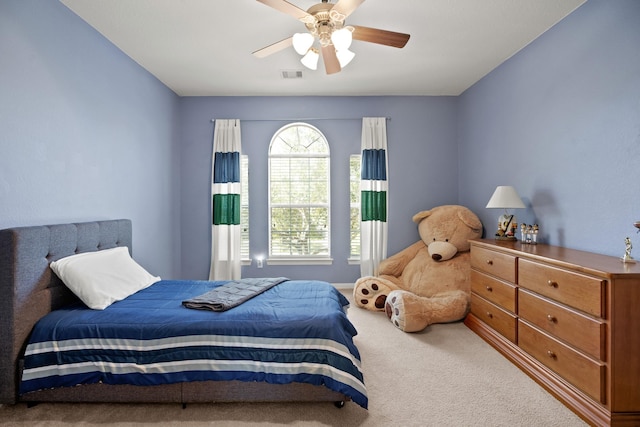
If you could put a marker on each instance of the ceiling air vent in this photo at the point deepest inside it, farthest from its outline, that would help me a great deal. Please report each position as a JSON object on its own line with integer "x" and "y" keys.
{"x": 291, "y": 74}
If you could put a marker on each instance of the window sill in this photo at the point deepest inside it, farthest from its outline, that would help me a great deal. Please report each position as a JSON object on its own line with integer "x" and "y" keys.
{"x": 300, "y": 261}
{"x": 353, "y": 261}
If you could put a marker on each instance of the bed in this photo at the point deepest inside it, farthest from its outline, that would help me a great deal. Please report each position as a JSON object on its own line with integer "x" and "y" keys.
{"x": 32, "y": 294}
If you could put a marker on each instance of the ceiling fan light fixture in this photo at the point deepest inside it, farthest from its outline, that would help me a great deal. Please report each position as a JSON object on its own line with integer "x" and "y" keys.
{"x": 344, "y": 57}
{"x": 310, "y": 60}
{"x": 342, "y": 39}
{"x": 302, "y": 42}
{"x": 325, "y": 22}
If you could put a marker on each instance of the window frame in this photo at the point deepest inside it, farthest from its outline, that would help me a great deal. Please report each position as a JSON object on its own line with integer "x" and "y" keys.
{"x": 299, "y": 259}
{"x": 354, "y": 177}
{"x": 245, "y": 242}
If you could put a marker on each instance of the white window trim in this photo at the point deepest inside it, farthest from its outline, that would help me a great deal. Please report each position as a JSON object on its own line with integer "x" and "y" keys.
{"x": 244, "y": 201}
{"x": 304, "y": 259}
{"x": 299, "y": 260}
{"x": 353, "y": 260}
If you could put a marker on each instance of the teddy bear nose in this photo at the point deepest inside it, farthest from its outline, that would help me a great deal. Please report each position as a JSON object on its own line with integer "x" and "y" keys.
{"x": 436, "y": 257}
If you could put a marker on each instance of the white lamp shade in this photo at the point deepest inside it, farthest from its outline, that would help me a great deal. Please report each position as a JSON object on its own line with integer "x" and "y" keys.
{"x": 505, "y": 197}
{"x": 310, "y": 60}
{"x": 344, "y": 57}
{"x": 302, "y": 42}
{"x": 341, "y": 39}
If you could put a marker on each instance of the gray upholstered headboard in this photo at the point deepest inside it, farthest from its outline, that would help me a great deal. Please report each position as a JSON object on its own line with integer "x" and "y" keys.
{"x": 28, "y": 287}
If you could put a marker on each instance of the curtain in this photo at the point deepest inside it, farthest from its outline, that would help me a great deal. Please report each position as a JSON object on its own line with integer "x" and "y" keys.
{"x": 225, "y": 201}
{"x": 373, "y": 195}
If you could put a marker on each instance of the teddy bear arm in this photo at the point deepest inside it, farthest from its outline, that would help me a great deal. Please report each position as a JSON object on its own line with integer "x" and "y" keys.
{"x": 395, "y": 264}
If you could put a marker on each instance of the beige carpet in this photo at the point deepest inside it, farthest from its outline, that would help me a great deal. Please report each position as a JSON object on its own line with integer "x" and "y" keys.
{"x": 443, "y": 376}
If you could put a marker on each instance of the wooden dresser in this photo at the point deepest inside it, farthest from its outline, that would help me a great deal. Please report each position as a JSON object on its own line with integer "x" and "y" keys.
{"x": 569, "y": 319}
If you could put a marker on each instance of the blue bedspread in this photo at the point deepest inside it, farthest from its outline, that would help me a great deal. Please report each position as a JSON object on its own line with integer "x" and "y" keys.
{"x": 297, "y": 331}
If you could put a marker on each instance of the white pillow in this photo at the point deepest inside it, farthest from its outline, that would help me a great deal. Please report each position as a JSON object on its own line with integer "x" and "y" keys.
{"x": 101, "y": 278}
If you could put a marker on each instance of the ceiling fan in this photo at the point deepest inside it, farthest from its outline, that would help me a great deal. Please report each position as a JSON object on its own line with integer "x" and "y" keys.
{"x": 325, "y": 22}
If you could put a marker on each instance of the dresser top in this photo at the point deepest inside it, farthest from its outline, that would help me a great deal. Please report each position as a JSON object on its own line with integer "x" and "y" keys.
{"x": 587, "y": 262}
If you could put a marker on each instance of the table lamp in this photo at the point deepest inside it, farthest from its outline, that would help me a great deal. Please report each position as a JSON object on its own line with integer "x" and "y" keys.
{"x": 506, "y": 197}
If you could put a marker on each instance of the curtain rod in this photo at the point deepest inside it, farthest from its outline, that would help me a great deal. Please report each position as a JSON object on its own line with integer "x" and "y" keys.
{"x": 297, "y": 119}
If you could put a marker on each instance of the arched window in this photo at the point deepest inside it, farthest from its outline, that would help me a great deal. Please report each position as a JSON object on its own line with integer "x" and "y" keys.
{"x": 299, "y": 195}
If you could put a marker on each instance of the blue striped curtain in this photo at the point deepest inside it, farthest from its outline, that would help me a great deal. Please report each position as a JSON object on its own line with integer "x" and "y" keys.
{"x": 373, "y": 195}
{"x": 225, "y": 201}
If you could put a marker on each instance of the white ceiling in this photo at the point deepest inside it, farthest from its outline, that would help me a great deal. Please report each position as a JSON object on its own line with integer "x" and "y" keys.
{"x": 203, "y": 47}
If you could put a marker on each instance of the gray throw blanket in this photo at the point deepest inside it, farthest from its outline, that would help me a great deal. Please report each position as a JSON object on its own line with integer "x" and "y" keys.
{"x": 232, "y": 294}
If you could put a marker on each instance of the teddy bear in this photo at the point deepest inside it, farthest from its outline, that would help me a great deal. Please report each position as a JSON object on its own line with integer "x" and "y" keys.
{"x": 427, "y": 282}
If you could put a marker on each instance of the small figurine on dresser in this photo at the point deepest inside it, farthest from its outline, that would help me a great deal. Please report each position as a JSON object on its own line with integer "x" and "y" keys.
{"x": 529, "y": 233}
{"x": 627, "y": 251}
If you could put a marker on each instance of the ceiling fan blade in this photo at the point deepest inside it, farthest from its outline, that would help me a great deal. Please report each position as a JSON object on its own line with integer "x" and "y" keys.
{"x": 288, "y": 8}
{"x": 273, "y": 48}
{"x": 330, "y": 59}
{"x": 374, "y": 35}
{"x": 346, "y": 7}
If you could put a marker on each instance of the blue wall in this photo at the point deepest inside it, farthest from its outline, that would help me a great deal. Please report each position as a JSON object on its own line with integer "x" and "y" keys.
{"x": 561, "y": 122}
{"x": 422, "y": 169}
{"x": 85, "y": 133}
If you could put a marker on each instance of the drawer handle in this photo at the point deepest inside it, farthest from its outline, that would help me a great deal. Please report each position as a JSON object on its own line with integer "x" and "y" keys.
{"x": 489, "y": 315}
{"x": 551, "y": 354}
{"x": 489, "y": 288}
{"x": 489, "y": 262}
{"x": 552, "y": 283}
{"x": 552, "y": 318}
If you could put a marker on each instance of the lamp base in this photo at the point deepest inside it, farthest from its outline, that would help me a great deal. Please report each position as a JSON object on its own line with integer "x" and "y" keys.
{"x": 507, "y": 226}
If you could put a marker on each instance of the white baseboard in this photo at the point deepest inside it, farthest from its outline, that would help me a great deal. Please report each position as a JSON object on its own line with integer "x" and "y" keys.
{"x": 343, "y": 285}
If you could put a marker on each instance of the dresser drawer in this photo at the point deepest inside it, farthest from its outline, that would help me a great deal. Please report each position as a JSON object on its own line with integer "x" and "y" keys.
{"x": 584, "y": 332}
{"x": 578, "y": 369}
{"x": 585, "y": 293}
{"x": 497, "y": 318}
{"x": 495, "y": 263}
{"x": 494, "y": 290}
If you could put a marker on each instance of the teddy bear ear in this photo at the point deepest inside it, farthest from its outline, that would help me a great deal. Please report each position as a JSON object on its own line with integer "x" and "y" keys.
{"x": 421, "y": 215}
{"x": 470, "y": 219}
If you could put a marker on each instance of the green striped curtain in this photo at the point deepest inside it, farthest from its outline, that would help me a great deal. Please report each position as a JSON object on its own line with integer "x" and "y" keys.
{"x": 373, "y": 195}
{"x": 225, "y": 201}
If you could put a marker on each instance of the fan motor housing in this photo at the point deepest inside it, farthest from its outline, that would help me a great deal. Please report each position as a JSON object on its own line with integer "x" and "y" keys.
{"x": 324, "y": 23}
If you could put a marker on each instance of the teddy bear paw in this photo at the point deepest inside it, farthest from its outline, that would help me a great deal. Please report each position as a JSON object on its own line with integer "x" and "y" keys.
{"x": 394, "y": 307}
{"x": 371, "y": 293}
{"x": 399, "y": 307}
